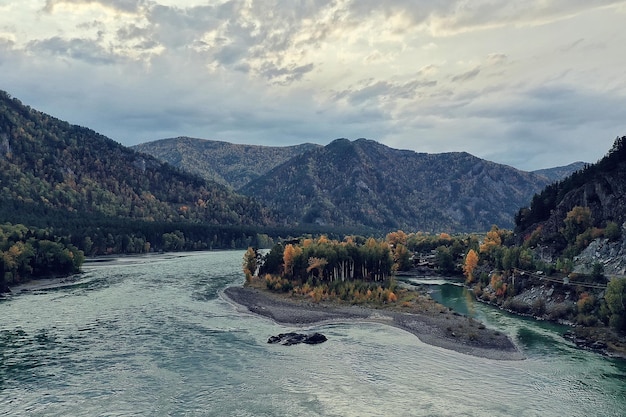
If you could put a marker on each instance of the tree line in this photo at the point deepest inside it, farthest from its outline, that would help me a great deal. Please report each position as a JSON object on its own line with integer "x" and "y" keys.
{"x": 27, "y": 253}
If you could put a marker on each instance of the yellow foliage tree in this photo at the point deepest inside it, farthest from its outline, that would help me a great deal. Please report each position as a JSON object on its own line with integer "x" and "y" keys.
{"x": 250, "y": 263}
{"x": 317, "y": 264}
{"x": 322, "y": 240}
{"x": 395, "y": 238}
{"x": 290, "y": 254}
{"x": 471, "y": 261}
{"x": 492, "y": 240}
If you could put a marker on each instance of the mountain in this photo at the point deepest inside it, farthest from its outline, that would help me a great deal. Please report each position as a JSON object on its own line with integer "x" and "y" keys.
{"x": 365, "y": 183}
{"x": 51, "y": 170}
{"x": 227, "y": 163}
{"x": 559, "y": 173}
{"x": 599, "y": 188}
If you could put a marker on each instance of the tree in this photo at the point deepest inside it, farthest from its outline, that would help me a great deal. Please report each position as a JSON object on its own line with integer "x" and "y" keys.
{"x": 576, "y": 221}
{"x": 491, "y": 241}
{"x": 402, "y": 258}
{"x": 612, "y": 231}
{"x": 395, "y": 238}
{"x": 615, "y": 298}
{"x": 471, "y": 261}
{"x": 290, "y": 254}
{"x": 445, "y": 262}
{"x": 250, "y": 263}
{"x": 317, "y": 264}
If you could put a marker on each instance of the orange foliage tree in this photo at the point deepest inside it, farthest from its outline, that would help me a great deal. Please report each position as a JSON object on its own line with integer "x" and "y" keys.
{"x": 471, "y": 261}
{"x": 290, "y": 253}
{"x": 492, "y": 240}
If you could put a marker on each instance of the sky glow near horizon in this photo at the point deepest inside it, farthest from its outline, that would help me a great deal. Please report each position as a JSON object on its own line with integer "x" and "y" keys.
{"x": 532, "y": 84}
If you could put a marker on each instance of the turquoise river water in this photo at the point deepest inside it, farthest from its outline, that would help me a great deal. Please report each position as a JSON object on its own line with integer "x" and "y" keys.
{"x": 151, "y": 336}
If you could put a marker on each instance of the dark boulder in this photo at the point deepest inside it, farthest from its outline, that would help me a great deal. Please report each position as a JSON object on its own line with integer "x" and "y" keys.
{"x": 291, "y": 338}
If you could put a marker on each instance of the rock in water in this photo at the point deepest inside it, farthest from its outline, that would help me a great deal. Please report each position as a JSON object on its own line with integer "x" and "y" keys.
{"x": 314, "y": 339}
{"x": 289, "y": 339}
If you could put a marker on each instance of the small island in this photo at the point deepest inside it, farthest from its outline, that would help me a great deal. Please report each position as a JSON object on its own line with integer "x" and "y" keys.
{"x": 298, "y": 286}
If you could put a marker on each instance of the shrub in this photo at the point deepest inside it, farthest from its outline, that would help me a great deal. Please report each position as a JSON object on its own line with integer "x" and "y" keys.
{"x": 539, "y": 307}
{"x": 612, "y": 231}
{"x": 586, "y": 303}
{"x": 560, "y": 311}
{"x": 586, "y": 320}
{"x": 517, "y": 305}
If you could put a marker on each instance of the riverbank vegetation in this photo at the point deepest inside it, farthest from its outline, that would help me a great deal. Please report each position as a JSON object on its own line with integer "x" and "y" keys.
{"x": 356, "y": 269}
{"x": 27, "y": 253}
{"x": 498, "y": 270}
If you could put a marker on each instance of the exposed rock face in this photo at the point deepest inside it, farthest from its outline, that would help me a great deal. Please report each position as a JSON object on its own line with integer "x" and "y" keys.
{"x": 612, "y": 255}
{"x": 289, "y": 339}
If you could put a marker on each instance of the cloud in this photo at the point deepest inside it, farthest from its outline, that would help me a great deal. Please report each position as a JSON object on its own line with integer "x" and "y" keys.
{"x": 130, "y": 6}
{"x": 513, "y": 81}
{"x": 466, "y": 76}
{"x": 87, "y": 50}
{"x": 383, "y": 91}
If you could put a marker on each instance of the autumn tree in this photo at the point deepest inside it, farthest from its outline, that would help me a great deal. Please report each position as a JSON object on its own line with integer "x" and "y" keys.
{"x": 250, "y": 263}
{"x": 395, "y": 238}
{"x": 401, "y": 258}
{"x": 576, "y": 222}
{"x": 491, "y": 241}
{"x": 471, "y": 261}
{"x": 317, "y": 264}
{"x": 290, "y": 254}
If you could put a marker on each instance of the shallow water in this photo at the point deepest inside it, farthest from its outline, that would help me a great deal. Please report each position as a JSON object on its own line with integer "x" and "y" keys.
{"x": 151, "y": 336}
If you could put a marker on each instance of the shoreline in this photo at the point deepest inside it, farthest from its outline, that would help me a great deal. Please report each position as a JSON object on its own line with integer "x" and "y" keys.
{"x": 447, "y": 330}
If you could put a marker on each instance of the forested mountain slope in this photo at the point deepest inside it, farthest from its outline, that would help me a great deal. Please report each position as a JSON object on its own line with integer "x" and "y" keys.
{"x": 53, "y": 169}
{"x": 364, "y": 183}
{"x": 598, "y": 189}
{"x": 227, "y": 163}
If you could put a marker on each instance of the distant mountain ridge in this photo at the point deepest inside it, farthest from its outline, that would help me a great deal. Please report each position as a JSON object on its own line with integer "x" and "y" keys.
{"x": 558, "y": 173}
{"x": 227, "y": 163}
{"x": 52, "y": 171}
{"x": 369, "y": 184}
{"x": 427, "y": 195}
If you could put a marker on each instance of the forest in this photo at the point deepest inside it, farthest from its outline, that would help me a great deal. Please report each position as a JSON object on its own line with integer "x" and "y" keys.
{"x": 27, "y": 253}
{"x": 355, "y": 269}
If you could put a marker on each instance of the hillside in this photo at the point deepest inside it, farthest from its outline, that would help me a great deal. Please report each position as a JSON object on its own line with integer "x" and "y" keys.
{"x": 364, "y": 183}
{"x": 51, "y": 170}
{"x": 599, "y": 189}
{"x": 559, "y": 173}
{"x": 226, "y": 163}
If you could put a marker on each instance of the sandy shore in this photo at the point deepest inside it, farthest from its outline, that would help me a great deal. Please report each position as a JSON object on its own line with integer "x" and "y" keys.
{"x": 446, "y": 330}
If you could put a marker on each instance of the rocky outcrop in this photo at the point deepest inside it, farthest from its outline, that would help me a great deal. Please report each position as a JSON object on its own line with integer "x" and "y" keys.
{"x": 611, "y": 255}
{"x": 289, "y": 339}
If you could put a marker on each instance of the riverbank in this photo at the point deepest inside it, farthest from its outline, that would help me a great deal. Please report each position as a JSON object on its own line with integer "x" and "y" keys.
{"x": 41, "y": 284}
{"x": 439, "y": 327}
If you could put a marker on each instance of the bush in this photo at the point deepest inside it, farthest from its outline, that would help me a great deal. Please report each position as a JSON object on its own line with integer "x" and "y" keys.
{"x": 586, "y": 320}
{"x": 612, "y": 231}
{"x": 539, "y": 307}
{"x": 517, "y": 305}
{"x": 560, "y": 311}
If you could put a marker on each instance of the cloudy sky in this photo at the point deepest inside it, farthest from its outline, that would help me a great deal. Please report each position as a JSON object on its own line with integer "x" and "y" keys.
{"x": 532, "y": 84}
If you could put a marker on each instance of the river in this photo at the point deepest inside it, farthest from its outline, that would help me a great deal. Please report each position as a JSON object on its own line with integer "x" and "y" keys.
{"x": 151, "y": 336}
